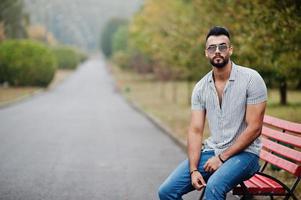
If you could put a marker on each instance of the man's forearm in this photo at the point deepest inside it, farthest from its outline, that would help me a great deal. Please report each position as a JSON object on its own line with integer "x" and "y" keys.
{"x": 195, "y": 135}
{"x": 242, "y": 142}
{"x": 194, "y": 149}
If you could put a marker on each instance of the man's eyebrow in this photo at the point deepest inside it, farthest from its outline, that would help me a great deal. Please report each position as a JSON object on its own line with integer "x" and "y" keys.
{"x": 216, "y": 44}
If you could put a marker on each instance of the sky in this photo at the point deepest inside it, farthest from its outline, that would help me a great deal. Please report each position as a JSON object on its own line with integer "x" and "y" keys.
{"x": 79, "y": 22}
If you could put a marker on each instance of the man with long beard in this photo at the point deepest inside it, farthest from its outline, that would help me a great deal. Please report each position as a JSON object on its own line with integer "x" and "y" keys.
{"x": 233, "y": 99}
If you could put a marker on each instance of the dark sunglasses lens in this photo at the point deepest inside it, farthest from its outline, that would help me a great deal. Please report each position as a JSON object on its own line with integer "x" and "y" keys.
{"x": 223, "y": 47}
{"x": 211, "y": 49}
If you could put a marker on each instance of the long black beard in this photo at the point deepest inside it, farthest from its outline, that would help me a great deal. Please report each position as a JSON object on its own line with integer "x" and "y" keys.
{"x": 220, "y": 65}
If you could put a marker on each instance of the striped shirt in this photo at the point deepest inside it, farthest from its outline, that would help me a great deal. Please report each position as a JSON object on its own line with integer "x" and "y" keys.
{"x": 227, "y": 122}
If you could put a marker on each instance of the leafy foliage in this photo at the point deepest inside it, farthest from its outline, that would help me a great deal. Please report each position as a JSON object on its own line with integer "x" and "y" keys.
{"x": 119, "y": 40}
{"x": 67, "y": 57}
{"x": 106, "y": 41}
{"x": 26, "y": 63}
{"x": 40, "y": 33}
{"x": 266, "y": 36}
{"x": 14, "y": 18}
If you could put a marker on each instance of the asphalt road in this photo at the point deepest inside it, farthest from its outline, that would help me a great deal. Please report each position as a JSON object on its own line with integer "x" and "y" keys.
{"x": 82, "y": 141}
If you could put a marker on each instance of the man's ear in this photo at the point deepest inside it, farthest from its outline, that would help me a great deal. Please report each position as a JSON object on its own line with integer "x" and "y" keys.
{"x": 231, "y": 50}
{"x": 206, "y": 54}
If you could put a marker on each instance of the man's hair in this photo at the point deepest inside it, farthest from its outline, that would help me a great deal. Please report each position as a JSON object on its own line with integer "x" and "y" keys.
{"x": 218, "y": 30}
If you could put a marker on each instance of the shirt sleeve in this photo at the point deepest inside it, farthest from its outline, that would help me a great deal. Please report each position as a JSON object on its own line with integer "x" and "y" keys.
{"x": 197, "y": 102}
{"x": 257, "y": 91}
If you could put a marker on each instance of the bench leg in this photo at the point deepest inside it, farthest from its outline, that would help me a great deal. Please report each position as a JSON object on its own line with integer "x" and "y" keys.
{"x": 202, "y": 195}
{"x": 246, "y": 197}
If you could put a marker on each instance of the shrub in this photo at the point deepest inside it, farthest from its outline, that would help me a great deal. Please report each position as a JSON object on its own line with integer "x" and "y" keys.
{"x": 26, "y": 63}
{"x": 82, "y": 56}
{"x": 67, "y": 57}
{"x": 122, "y": 59}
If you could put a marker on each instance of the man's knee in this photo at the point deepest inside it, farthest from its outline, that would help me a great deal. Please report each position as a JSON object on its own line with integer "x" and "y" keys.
{"x": 163, "y": 192}
{"x": 166, "y": 193}
{"x": 215, "y": 189}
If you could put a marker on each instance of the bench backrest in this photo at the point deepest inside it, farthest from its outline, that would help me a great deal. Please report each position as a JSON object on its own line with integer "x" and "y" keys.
{"x": 282, "y": 144}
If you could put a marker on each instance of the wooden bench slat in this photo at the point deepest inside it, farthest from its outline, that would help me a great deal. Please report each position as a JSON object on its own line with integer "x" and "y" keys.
{"x": 268, "y": 181}
{"x": 267, "y": 186}
{"x": 282, "y": 124}
{"x": 282, "y": 150}
{"x": 272, "y": 186}
{"x": 280, "y": 162}
{"x": 250, "y": 184}
{"x": 282, "y": 137}
{"x": 258, "y": 182}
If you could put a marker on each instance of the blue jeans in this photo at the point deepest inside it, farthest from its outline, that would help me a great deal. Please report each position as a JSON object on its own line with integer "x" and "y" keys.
{"x": 236, "y": 169}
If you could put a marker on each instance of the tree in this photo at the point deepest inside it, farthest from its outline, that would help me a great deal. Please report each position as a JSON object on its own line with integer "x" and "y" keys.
{"x": 120, "y": 39}
{"x": 2, "y": 32}
{"x": 14, "y": 18}
{"x": 107, "y": 35}
{"x": 39, "y": 33}
{"x": 266, "y": 36}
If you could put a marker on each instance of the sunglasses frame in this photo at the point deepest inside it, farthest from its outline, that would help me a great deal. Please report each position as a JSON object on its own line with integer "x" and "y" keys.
{"x": 220, "y": 47}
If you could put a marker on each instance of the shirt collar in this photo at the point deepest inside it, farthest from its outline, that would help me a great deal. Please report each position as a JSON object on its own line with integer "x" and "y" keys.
{"x": 232, "y": 74}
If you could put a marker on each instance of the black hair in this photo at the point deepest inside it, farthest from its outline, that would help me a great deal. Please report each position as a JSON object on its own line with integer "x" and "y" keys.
{"x": 218, "y": 30}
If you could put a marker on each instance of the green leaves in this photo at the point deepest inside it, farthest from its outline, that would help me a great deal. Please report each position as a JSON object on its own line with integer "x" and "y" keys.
{"x": 265, "y": 35}
{"x": 107, "y": 35}
{"x": 26, "y": 63}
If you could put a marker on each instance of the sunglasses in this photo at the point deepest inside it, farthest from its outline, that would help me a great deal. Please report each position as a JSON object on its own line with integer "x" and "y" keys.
{"x": 221, "y": 47}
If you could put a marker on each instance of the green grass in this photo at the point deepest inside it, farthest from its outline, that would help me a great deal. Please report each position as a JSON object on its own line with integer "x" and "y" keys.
{"x": 291, "y": 112}
{"x": 173, "y": 109}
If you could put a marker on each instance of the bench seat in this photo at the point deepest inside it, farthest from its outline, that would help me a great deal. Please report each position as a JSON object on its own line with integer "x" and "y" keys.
{"x": 260, "y": 185}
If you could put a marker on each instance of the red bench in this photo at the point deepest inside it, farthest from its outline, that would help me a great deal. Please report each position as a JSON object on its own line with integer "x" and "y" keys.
{"x": 282, "y": 148}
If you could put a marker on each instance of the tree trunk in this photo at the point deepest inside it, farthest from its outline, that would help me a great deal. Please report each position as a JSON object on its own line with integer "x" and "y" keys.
{"x": 189, "y": 91}
{"x": 299, "y": 85}
{"x": 283, "y": 92}
{"x": 174, "y": 92}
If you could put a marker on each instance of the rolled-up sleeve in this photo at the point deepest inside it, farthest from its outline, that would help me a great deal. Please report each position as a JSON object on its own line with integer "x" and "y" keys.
{"x": 257, "y": 90}
{"x": 197, "y": 100}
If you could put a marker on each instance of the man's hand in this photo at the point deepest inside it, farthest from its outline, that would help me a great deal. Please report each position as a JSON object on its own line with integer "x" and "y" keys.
{"x": 197, "y": 180}
{"x": 212, "y": 164}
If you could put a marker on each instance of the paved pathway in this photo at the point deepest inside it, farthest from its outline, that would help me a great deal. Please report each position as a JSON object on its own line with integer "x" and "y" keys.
{"x": 82, "y": 141}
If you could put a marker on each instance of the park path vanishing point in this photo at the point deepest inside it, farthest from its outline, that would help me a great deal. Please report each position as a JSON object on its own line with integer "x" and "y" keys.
{"x": 82, "y": 141}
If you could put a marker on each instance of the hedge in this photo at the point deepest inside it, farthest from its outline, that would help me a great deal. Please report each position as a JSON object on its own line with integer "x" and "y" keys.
{"x": 67, "y": 57}
{"x": 26, "y": 63}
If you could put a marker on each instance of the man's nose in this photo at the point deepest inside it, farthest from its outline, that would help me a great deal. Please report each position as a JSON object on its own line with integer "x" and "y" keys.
{"x": 217, "y": 50}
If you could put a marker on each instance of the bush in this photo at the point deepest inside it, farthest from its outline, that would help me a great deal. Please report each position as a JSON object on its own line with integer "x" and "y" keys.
{"x": 122, "y": 59}
{"x": 82, "y": 56}
{"x": 67, "y": 57}
{"x": 26, "y": 63}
